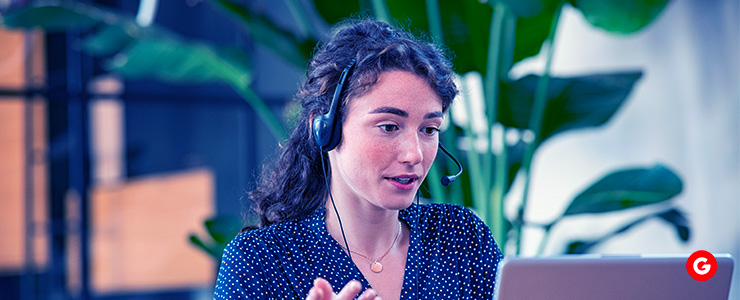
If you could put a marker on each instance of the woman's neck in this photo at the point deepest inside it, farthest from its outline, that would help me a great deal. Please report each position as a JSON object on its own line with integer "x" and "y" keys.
{"x": 369, "y": 230}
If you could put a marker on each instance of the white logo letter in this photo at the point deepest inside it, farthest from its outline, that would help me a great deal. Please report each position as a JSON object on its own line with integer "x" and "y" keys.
{"x": 704, "y": 267}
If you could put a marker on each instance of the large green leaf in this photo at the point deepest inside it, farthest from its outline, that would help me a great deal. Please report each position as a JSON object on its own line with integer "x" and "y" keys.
{"x": 138, "y": 52}
{"x": 109, "y": 39}
{"x": 55, "y": 18}
{"x": 627, "y": 189}
{"x": 677, "y": 218}
{"x": 465, "y": 28}
{"x": 620, "y": 16}
{"x": 673, "y": 216}
{"x": 412, "y": 13}
{"x": 524, "y": 8}
{"x": 465, "y": 25}
{"x": 533, "y": 21}
{"x": 150, "y": 52}
{"x": 263, "y": 30}
{"x": 579, "y": 247}
{"x": 223, "y": 228}
{"x": 573, "y": 103}
{"x": 531, "y": 31}
{"x": 333, "y": 11}
{"x": 169, "y": 59}
{"x": 212, "y": 249}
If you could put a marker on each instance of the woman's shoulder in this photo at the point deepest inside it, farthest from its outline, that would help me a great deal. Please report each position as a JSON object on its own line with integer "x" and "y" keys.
{"x": 252, "y": 261}
{"x": 268, "y": 236}
{"x": 445, "y": 212}
{"x": 442, "y": 217}
{"x": 252, "y": 235}
{"x": 248, "y": 241}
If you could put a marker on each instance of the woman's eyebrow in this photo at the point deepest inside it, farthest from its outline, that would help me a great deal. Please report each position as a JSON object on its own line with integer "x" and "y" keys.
{"x": 402, "y": 113}
{"x": 432, "y": 115}
{"x": 390, "y": 110}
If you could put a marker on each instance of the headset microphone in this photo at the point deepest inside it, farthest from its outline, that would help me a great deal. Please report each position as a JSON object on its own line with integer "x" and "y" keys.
{"x": 446, "y": 180}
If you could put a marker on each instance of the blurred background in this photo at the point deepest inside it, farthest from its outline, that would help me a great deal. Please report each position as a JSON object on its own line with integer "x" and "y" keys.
{"x": 132, "y": 130}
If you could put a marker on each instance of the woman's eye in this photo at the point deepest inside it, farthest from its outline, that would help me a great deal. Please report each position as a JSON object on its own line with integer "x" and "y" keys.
{"x": 389, "y": 127}
{"x": 431, "y": 130}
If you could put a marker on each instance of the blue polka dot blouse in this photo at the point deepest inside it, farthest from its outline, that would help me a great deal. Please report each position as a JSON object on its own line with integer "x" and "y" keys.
{"x": 452, "y": 255}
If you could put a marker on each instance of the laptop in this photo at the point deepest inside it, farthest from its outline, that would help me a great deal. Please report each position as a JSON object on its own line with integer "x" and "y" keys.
{"x": 606, "y": 277}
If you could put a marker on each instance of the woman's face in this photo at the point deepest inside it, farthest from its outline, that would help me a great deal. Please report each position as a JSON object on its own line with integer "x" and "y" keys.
{"x": 389, "y": 141}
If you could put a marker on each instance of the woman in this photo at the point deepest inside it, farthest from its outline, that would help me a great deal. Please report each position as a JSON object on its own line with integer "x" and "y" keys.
{"x": 359, "y": 232}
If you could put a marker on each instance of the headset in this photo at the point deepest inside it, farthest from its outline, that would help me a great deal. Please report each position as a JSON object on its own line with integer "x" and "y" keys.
{"x": 327, "y": 130}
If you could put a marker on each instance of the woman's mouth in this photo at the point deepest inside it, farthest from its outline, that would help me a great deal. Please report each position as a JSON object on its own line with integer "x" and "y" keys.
{"x": 402, "y": 182}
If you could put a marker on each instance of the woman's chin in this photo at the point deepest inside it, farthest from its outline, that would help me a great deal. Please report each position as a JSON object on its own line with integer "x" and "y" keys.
{"x": 399, "y": 204}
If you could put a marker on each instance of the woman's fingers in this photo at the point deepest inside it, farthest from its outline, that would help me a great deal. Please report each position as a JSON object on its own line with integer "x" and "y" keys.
{"x": 312, "y": 294}
{"x": 318, "y": 294}
{"x": 321, "y": 290}
{"x": 323, "y": 285}
{"x": 350, "y": 290}
{"x": 369, "y": 294}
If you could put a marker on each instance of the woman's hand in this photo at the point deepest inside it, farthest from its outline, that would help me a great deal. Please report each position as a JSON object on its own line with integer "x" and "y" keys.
{"x": 321, "y": 290}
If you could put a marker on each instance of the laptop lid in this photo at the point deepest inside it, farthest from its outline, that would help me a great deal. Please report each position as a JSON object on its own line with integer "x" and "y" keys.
{"x": 576, "y": 277}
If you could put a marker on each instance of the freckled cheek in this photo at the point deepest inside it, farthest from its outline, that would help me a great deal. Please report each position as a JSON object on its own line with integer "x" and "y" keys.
{"x": 374, "y": 154}
{"x": 430, "y": 153}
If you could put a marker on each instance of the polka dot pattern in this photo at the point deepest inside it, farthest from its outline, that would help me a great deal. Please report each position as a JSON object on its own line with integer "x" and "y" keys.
{"x": 452, "y": 255}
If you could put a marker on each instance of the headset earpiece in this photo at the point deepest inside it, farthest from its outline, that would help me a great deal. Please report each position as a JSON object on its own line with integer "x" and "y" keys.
{"x": 322, "y": 131}
{"x": 327, "y": 130}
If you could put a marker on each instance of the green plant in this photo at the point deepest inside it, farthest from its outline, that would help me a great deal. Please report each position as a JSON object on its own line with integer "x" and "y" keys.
{"x": 146, "y": 52}
{"x": 221, "y": 230}
{"x": 487, "y": 38}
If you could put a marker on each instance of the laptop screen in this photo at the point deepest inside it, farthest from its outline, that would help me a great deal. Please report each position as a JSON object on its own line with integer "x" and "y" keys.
{"x": 575, "y": 277}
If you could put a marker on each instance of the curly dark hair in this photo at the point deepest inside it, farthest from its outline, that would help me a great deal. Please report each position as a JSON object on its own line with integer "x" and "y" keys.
{"x": 295, "y": 186}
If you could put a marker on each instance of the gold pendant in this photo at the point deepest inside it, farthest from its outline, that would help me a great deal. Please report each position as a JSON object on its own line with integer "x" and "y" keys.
{"x": 376, "y": 267}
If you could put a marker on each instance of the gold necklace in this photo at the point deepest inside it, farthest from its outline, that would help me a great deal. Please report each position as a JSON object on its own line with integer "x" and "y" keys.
{"x": 376, "y": 266}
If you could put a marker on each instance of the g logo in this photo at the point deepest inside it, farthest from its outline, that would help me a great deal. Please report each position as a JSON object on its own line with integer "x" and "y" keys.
{"x": 701, "y": 265}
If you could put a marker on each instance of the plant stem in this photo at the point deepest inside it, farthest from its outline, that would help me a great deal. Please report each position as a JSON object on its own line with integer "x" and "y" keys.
{"x": 435, "y": 21}
{"x": 491, "y": 88}
{"x": 497, "y": 196}
{"x": 509, "y": 41}
{"x": 547, "y": 228}
{"x": 380, "y": 9}
{"x": 477, "y": 187}
{"x": 535, "y": 123}
{"x": 501, "y": 176}
{"x": 435, "y": 27}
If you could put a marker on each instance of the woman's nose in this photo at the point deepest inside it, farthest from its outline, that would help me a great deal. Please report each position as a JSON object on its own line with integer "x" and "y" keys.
{"x": 411, "y": 150}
